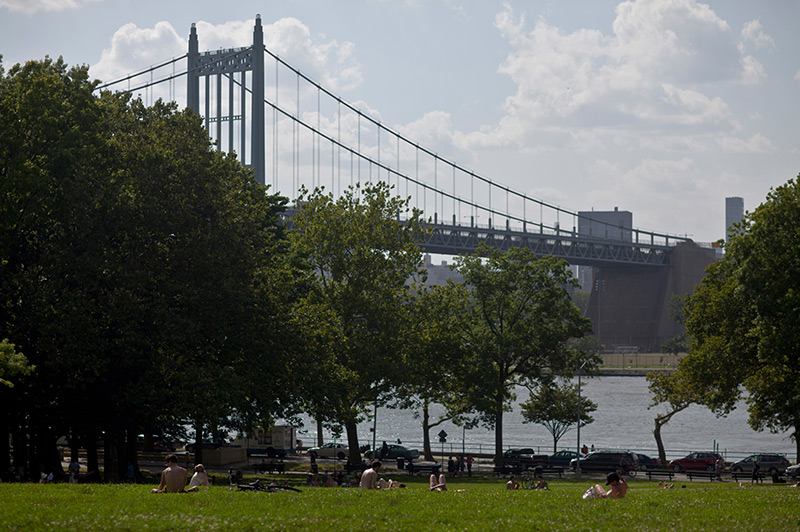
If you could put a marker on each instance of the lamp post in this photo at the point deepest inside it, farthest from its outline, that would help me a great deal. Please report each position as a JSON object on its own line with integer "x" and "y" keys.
{"x": 578, "y": 465}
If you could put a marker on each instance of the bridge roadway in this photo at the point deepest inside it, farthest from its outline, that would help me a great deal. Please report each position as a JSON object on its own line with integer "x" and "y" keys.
{"x": 575, "y": 248}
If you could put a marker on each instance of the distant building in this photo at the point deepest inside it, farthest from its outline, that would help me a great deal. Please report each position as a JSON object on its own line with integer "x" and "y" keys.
{"x": 606, "y": 225}
{"x": 734, "y": 213}
{"x": 438, "y": 274}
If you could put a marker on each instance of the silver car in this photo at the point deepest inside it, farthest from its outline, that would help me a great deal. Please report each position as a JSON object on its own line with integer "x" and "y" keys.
{"x": 768, "y": 463}
{"x": 330, "y": 450}
{"x": 793, "y": 471}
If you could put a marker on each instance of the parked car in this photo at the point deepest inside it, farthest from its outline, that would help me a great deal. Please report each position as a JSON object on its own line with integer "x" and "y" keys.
{"x": 562, "y": 458}
{"x": 793, "y": 471}
{"x": 768, "y": 463}
{"x": 698, "y": 461}
{"x": 608, "y": 461}
{"x": 395, "y": 451}
{"x": 524, "y": 458}
{"x": 330, "y": 450}
{"x": 646, "y": 462}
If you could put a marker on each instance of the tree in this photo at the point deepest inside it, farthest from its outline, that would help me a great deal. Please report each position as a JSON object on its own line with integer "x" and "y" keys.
{"x": 135, "y": 261}
{"x": 556, "y": 408}
{"x": 672, "y": 390}
{"x": 352, "y": 319}
{"x": 433, "y": 361}
{"x": 520, "y": 319}
{"x": 744, "y": 319}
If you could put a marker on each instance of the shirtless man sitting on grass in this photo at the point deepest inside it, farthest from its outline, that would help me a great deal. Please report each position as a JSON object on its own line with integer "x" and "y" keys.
{"x": 617, "y": 487}
{"x": 173, "y": 478}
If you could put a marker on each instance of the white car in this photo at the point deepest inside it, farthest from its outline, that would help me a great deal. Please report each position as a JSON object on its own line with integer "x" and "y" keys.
{"x": 793, "y": 471}
{"x": 330, "y": 450}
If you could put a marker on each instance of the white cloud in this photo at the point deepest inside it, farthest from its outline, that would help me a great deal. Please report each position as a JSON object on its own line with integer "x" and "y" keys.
{"x": 754, "y": 32}
{"x": 133, "y": 48}
{"x": 648, "y": 73}
{"x": 330, "y": 63}
{"x": 752, "y": 71}
{"x": 797, "y": 76}
{"x": 29, "y": 7}
{"x": 758, "y": 143}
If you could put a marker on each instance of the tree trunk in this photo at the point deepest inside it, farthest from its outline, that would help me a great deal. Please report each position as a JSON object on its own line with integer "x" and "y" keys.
{"x": 198, "y": 443}
{"x": 5, "y": 448}
{"x": 320, "y": 440}
{"x": 92, "y": 463}
{"x": 351, "y": 429}
{"x": 498, "y": 431}
{"x": 662, "y": 455}
{"x": 132, "y": 452}
{"x": 110, "y": 457}
{"x": 426, "y": 436}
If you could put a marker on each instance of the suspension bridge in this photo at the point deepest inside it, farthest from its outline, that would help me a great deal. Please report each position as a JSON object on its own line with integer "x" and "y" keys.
{"x": 294, "y": 132}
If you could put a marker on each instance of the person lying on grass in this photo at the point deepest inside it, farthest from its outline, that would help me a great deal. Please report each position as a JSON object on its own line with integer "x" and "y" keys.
{"x": 439, "y": 484}
{"x": 173, "y": 478}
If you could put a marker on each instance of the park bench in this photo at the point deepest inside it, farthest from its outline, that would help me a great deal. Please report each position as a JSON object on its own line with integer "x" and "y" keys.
{"x": 423, "y": 469}
{"x": 660, "y": 473}
{"x": 710, "y": 475}
{"x": 746, "y": 475}
{"x": 269, "y": 467}
{"x": 508, "y": 469}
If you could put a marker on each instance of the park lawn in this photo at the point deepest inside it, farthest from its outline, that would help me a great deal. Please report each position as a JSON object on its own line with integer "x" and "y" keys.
{"x": 483, "y": 505}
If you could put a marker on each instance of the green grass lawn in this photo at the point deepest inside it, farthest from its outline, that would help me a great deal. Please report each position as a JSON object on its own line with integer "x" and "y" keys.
{"x": 483, "y": 504}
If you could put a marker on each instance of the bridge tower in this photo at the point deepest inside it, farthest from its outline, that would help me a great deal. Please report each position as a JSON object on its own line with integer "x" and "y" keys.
{"x": 214, "y": 66}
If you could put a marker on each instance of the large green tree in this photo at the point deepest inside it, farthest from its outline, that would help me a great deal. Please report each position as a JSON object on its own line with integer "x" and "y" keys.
{"x": 136, "y": 261}
{"x": 744, "y": 319}
{"x": 360, "y": 257}
{"x": 518, "y": 327}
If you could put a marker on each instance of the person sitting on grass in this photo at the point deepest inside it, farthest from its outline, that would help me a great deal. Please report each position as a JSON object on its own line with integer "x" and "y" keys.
{"x": 173, "y": 477}
{"x": 200, "y": 478}
{"x": 617, "y": 489}
{"x": 369, "y": 478}
{"x": 541, "y": 483}
{"x": 439, "y": 484}
{"x": 512, "y": 484}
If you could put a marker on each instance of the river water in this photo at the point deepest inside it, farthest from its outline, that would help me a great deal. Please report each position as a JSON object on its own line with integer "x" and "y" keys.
{"x": 622, "y": 420}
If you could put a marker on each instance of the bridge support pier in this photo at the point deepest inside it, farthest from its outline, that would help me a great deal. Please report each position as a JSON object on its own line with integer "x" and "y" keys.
{"x": 632, "y": 310}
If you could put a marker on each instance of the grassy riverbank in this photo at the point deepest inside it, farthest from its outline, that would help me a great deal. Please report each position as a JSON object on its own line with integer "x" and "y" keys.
{"x": 483, "y": 504}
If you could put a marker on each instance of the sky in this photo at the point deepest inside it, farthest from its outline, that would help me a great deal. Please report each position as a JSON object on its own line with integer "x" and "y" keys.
{"x": 659, "y": 107}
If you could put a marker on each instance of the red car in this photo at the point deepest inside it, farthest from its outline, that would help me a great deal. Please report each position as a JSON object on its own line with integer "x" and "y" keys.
{"x": 695, "y": 462}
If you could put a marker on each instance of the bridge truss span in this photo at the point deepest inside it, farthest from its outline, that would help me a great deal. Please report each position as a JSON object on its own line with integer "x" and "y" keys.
{"x": 578, "y": 250}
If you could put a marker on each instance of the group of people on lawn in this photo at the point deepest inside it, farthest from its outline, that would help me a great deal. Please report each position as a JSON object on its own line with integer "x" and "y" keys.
{"x": 173, "y": 480}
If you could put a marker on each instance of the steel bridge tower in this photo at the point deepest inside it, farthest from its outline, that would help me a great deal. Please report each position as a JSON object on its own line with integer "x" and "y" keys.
{"x": 213, "y": 67}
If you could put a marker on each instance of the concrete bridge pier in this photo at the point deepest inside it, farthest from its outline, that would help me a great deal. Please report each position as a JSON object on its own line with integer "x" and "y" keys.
{"x": 629, "y": 303}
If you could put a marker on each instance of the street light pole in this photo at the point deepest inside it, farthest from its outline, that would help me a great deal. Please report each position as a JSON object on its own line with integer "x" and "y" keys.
{"x": 578, "y": 465}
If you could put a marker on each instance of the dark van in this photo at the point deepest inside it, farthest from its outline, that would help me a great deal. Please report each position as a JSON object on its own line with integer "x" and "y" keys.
{"x": 607, "y": 462}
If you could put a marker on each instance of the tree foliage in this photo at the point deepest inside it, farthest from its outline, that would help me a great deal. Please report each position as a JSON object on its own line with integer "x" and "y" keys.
{"x": 744, "y": 319}
{"x": 136, "y": 261}
{"x": 12, "y": 364}
{"x": 352, "y": 318}
{"x": 556, "y": 409}
{"x": 434, "y": 359}
{"x": 520, "y": 320}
